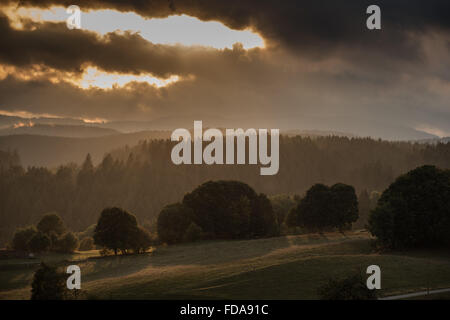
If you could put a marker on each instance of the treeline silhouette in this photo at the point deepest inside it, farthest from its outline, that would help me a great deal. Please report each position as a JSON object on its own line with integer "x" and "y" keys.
{"x": 142, "y": 179}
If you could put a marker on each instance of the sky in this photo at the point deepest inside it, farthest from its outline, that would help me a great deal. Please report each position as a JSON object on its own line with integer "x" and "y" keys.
{"x": 236, "y": 63}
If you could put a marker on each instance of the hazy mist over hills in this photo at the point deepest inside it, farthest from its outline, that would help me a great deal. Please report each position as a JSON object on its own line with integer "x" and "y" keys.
{"x": 386, "y": 131}
{"x": 71, "y": 131}
{"x": 55, "y": 141}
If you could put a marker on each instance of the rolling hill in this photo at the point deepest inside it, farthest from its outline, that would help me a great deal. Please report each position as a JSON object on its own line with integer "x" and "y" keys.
{"x": 289, "y": 267}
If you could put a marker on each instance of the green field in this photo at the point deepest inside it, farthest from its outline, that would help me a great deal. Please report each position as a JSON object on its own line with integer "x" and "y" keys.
{"x": 290, "y": 267}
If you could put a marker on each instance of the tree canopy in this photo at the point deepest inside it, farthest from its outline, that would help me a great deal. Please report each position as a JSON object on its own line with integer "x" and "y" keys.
{"x": 173, "y": 222}
{"x": 116, "y": 230}
{"x": 230, "y": 210}
{"x": 22, "y": 237}
{"x": 326, "y": 207}
{"x": 143, "y": 179}
{"x": 49, "y": 235}
{"x": 67, "y": 243}
{"x": 218, "y": 210}
{"x": 51, "y": 223}
{"x": 414, "y": 210}
{"x": 40, "y": 242}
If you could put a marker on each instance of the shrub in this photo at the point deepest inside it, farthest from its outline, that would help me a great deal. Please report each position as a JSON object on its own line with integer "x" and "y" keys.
{"x": 352, "y": 287}
{"x": 48, "y": 284}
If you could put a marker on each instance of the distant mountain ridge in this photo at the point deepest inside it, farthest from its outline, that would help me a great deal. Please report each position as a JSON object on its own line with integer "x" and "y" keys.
{"x": 55, "y": 141}
{"x": 7, "y": 121}
{"x": 57, "y": 130}
{"x": 343, "y": 126}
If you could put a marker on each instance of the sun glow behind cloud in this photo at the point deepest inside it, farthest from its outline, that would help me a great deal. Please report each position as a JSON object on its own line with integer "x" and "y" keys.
{"x": 31, "y": 115}
{"x": 179, "y": 29}
{"x": 176, "y": 29}
{"x": 92, "y": 77}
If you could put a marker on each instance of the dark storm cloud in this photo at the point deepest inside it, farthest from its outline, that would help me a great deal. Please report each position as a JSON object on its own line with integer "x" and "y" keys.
{"x": 64, "y": 99}
{"x": 53, "y": 45}
{"x": 315, "y": 28}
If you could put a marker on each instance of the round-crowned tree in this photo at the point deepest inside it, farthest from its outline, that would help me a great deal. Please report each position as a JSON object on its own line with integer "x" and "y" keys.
{"x": 326, "y": 207}
{"x": 314, "y": 211}
{"x": 414, "y": 210}
{"x": 51, "y": 223}
{"x": 116, "y": 230}
{"x": 230, "y": 210}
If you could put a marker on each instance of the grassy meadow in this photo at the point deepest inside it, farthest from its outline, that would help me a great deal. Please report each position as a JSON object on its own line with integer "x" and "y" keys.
{"x": 289, "y": 267}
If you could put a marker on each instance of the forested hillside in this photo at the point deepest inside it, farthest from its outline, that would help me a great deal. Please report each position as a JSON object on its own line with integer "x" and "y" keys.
{"x": 52, "y": 151}
{"x": 142, "y": 179}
